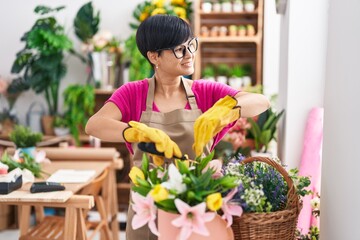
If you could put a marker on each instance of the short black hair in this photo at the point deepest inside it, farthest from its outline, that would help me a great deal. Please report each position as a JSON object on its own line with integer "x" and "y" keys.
{"x": 161, "y": 31}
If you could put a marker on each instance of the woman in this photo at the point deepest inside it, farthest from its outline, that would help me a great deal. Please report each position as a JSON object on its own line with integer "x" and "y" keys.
{"x": 164, "y": 108}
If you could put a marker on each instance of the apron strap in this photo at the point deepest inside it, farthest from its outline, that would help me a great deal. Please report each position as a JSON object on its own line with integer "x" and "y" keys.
{"x": 189, "y": 95}
{"x": 150, "y": 94}
{"x": 151, "y": 91}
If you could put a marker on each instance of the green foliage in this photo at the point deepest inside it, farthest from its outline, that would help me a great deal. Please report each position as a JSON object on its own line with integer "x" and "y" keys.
{"x": 25, "y": 162}
{"x": 223, "y": 70}
{"x": 263, "y": 130}
{"x": 238, "y": 71}
{"x": 139, "y": 68}
{"x": 208, "y": 71}
{"x": 79, "y": 101}
{"x": 86, "y": 22}
{"x": 41, "y": 60}
{"x": 300, "y": 182}
{"x": 61, "y": 121}
{"x": 23, "y": 137}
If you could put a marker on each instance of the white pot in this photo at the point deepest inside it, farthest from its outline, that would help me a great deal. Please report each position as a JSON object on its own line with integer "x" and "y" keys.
{"x": 226, "y": 7}
{"x": 210, "y": 79}
{"x": 61, "y": 131}
{"x": 216, "y": 7}
{"x": 235, "y": 82}
{"x": 238, "y": 7}
{"x": 222, "y": 79}
{"x": 246, "y": 81}
{"x": 249, "y": 7}
{"x": 206, "y": 7}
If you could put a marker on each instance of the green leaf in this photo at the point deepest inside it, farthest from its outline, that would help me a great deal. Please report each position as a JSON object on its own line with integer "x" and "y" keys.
{"x": 143, "y": 191}
{"x": 42, "y": 9}
{"x": 86, "y": 22}
{"x": 145, "y": 165}
{"x": 167, "y": 204}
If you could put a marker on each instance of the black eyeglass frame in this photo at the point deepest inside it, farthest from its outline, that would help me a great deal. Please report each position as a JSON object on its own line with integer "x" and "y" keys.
{"x": 186, "y": 47}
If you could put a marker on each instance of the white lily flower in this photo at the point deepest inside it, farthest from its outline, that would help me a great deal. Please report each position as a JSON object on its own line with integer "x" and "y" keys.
{"x": 175, "y": 181}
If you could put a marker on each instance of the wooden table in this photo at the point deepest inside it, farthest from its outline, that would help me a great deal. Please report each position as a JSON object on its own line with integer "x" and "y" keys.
{"x": 73, "y": 203}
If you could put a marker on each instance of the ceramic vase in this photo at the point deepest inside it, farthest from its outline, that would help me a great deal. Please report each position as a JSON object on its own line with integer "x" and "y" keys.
{"x": 217, "y": 228}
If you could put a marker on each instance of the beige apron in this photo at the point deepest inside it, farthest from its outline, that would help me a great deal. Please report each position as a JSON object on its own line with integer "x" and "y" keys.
{"x": 179, "y": 125}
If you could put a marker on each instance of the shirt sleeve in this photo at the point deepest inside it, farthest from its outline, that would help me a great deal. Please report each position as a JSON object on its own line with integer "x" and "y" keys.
{"x": 207, "y": 93}
{"x": 131, "y": 100}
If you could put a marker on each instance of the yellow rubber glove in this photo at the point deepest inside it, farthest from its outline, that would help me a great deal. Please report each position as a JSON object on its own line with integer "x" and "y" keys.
{"x": 213, "y": 121}
{"x": 139, "y": 132}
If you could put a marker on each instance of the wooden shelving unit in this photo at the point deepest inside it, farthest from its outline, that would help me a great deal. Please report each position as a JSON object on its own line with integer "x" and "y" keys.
{"x": 230, "y": 50}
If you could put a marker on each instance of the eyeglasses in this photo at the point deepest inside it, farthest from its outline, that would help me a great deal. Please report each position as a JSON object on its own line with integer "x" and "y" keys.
{"x": 180, "y": 51}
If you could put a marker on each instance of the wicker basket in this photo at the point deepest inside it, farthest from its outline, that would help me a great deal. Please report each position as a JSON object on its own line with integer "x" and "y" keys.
{"x": 279, "y": 225}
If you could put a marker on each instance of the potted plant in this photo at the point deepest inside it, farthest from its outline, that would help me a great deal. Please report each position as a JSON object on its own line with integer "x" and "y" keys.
{"x": 79, "y": 102}
{"x": 25, "y": 139}
{"x": 238, "y": 6}
{"x": 42, "y": 58}
{"x": 206, "y": 6}
{"x": 223, "y": 71}
{"x": 226, "y": 6}
{"x": 209, "y": 73}
{"x": 61, "y": 126}
{"x": 264, "y": 128}
{"x": 233, "y": 30}
{"x": 250, "y": 30}
{"x": 249, "y": 5}
{"x": 242, "y": 31}
{"x": 237, "y": 74}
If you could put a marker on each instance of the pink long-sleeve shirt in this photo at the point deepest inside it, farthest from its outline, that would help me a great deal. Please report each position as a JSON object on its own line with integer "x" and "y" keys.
{"x": 131, "y": 100}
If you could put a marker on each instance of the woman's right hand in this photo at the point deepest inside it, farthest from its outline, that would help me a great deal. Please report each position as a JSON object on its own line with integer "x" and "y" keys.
{"x": 139, "y": 132}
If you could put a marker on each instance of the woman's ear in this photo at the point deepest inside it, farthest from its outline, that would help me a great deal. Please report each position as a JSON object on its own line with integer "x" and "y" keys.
{"x": 153, "y": 57}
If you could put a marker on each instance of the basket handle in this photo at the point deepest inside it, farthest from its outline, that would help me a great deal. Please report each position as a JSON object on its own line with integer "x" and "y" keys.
{"x": 292, "y": 197}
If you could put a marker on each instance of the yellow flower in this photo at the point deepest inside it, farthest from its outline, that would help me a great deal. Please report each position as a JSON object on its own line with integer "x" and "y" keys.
{"x": 158, "y": 3}
{"x": 214, "y": 201}
{"x": 159, "y": 193}
{"x": 178, "y": 2}
{"x": 158, "y": 161}
{"x": 143, "y": 16}
{"x": 136, "y": 172}
{"x": 180, "y": 12}
{"x": 158, "y": 11}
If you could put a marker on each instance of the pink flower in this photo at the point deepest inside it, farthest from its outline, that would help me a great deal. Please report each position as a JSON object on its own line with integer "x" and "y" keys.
{"x": 230, "y": 209}
{"x": 216, "y": 166}
{"x": 145, "y": 212}
{"x": 40, "y": 157}
{"x": 192, "y": 219}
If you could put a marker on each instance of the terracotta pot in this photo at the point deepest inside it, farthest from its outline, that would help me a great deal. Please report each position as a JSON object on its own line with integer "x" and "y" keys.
{"x": 217, "y": 228}
{"x": 47, "y": 124}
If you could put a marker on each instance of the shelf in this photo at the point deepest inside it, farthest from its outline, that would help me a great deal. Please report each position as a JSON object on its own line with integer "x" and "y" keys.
{"x": 103, "y": 92}
{"x": 253, "y": 39}
{"x": 226, "y": 14}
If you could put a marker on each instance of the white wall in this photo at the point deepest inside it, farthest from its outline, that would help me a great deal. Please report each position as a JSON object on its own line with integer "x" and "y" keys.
{"x": 17, "y": 17}
{"x": 302, "y": 71}
{"x": 340, "y": 195}
{"x": 271, "y": 51}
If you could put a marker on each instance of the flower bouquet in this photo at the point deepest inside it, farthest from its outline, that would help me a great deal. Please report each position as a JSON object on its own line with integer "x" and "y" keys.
{"x": 193, "y": 192}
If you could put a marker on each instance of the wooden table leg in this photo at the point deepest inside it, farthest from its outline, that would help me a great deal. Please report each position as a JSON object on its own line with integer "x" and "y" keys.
{"x": 81, "y": 228}
{"x": 70, "y": 223}
{"x": 24, "y": 218}
{"x": 114, "y": 225}
{"x": 109, "y": 195}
